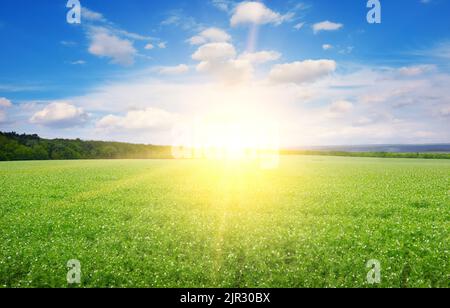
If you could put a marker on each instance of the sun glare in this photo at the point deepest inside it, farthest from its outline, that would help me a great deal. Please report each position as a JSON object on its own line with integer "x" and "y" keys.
{"x": 225, "y": 138}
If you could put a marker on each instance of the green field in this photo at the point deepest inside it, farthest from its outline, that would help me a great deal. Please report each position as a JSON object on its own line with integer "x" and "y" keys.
{"x": 313, "y": 222}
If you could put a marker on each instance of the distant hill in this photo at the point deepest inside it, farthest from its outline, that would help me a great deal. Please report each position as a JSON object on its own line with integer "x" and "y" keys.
{"x": 31, "y": 147}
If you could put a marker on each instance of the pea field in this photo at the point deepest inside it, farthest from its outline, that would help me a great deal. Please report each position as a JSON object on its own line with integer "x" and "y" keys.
{"x": 312, "y": 222}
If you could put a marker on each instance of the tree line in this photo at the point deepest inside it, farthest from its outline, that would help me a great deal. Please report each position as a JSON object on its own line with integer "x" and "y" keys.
{"x": 418, "y": 155}
{"x": 31, "y": 147}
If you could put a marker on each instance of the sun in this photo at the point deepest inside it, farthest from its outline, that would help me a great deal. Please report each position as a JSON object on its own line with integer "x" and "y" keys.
{"x": 231, "y": 138}
{"x": 233, "y": 124}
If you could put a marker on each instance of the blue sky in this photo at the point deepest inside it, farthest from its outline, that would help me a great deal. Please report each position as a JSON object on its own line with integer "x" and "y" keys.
{"x": 133, "y": 70}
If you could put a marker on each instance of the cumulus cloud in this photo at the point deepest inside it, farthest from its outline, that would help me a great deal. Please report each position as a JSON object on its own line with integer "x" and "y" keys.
{"x": 173, "y": 70}
{"x": 253, "y": 12}
{"x": 302, "y": 72}
{"x": 105, "y": 44}
{"x": 2, "y": 116}
{"x": 60, "y": 114}
{"x": 220, "y": 60}
{"x": 310, "y": 105}
{"x": 149, "y": 118}
{"x": 260, "y": 57}
{"x": 210, "y": 35}
{"x": 109, "y": 40}
{"x": 230, "y": 72}
{"x": 326, "y": 26}
{"x": 327, "y": 46}
{"x": 4, "y": 102}
{"x": 215, "y": 52}
{"x": 302, "y": 109}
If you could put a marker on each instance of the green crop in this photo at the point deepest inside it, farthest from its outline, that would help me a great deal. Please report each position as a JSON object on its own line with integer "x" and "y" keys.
{"x": 313, "y": 222}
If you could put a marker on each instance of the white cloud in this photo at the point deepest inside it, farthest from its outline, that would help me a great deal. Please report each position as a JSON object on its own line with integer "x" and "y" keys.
{"x": 95, "y": 18}
{"x": 363, "y": 121}
{"x": 442, "y": 50}
{"x": 179, "y": 19}
{"x": 299, "y": 26}
{"x": 411, "y": 71}
{"x": 78, "y": 62}
{"x": 438, "y": 52}
{"x": 60, "y": 114}
{"x": 257, "y": 13}
{"x": 171, "y": 20}
{"x": 341, "y": 106}
{"x": 299, "y": 95}
{"x": 445, "y": 111}
{"x": 197, "y": 40}
{"x": 210, "y": 35}
{"x": 131, "y": 35}
{"x": 347, "y": 50}
{"x": 149, "y": 46}
{"x": 326, "y": 26}
{"x": 90, "y": 15}
{"x": 302, "y": 72}
{"x": 232, "y": 71}
{"x": 105, "y": 44}
{"x": 162, "y": 45}
{"x": 215, "y": 52}
{"x": 109, "y": 40}
{"x": 68, "y": 43}
{"x": 20, "y": 88}
{"x": 173, "y": 70}
{"x": 149, "y": 118}
{"x": 302, "y": 110}
{"x": 220, "y": 60}
{"x": 223, "y": 5}
{"x": 4, "y": 102}
{"x": 327, "y": 46}
{"x": 260, "y": 57}
{"x": 2, "y": 116}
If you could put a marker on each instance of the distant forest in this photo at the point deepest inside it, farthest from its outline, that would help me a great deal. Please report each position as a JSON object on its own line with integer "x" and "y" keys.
{"x": 31, "y": 147}
{"x": 428, "y": 155}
